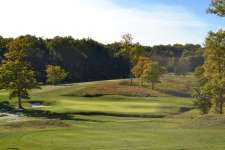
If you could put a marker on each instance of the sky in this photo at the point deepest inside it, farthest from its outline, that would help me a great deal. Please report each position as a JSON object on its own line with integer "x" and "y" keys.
{"x": 151, "y": 22}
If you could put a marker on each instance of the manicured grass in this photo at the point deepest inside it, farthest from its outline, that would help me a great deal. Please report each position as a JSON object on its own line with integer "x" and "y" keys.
{"x": 118, "y": 135}
{"x": 112, "y": 120}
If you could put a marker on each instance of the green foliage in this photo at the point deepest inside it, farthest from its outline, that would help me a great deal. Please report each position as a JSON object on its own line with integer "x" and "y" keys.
{"x": 201, "y": 93}
{"x": 55, "y": 74}
{"x": 131, "y": 51}
{"x": 217, "y": 7}
{"x": 203, "y": 101}
{"x": 16, "y": 75}
{"x": 152, "y": 72}
{"x": 36, "y": 53}
{"x": 87, "y": 60}
{"x": 177, "y": 58}
{"x": 210, "y": 89}
{"x": 182, "y": 67}
{"x": 212, "y": 74}
{"x": 214, "y": 67}
{"x": 3, "y": 44}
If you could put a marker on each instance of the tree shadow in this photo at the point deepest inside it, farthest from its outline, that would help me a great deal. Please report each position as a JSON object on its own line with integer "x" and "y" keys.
{"x": 175, "y": 93}
{"x": 73, "y": 115}
{"x": 6, "y": 107}
{"x": 47, "y": 114}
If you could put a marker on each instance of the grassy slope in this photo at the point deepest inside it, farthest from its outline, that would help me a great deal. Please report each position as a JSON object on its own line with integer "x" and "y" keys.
{"x": 115, "y": 122}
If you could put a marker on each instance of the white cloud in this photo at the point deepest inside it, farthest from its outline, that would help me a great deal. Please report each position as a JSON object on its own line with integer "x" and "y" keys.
{"x": 101, "y": 20}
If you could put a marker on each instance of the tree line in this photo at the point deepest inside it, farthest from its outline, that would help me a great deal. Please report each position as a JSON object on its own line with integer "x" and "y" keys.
{"x": 86, "y": 59}
{"x": 83, "y": 60}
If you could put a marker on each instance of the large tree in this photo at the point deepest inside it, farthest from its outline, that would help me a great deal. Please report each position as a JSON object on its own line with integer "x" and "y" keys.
{"x": 214, "y": 67}
{"x": 213, "y": 70}
{"x": 36, "y": 51}
{"x": 217, "y": 7}
{"x": 16, "y": 75}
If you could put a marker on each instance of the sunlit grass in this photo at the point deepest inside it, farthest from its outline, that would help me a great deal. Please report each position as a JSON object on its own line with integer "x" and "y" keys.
{"x": 113, "y": 122}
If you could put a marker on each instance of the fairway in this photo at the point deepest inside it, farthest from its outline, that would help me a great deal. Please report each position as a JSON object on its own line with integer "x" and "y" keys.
{"x": 110, "y": 122}
{"x": 112, "y": 75}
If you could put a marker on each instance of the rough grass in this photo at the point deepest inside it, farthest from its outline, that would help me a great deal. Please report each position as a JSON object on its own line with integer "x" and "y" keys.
{"x": 207, "y": 121}
{"x": 111, "y": 88}
{"x": 170, "y": 85}
{"x": 37, "y": 124}
{"x": 180, "y": 86}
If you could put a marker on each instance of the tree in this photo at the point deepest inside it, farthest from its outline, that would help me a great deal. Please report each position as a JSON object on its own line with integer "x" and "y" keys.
{"x": 126, "y": 50}
{"x": 203, "y": 101}
{"x": 183, "y": 66}
{"x": 213, "y": 70}
{"x": 214, "y": 67}
{"x": 138, "y": 69}
{"x": 210, "y": 89}
{"x": 152, "y": 73}
{"x": 177, "y": 58}
{"x": 16, "y": 75}
{"x": 55, "y": 74}
{"x": 202, "y": 92}
{"x": 131, "y": 51}
{"x": 217, "y": 7}
{"x": 127, "y": 39}
{"x": 36, "y": 53}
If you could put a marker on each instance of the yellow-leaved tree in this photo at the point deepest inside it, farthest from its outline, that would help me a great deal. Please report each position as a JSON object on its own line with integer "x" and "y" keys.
{"x": 139, "y": 68}
{"x": 153, "y": 71}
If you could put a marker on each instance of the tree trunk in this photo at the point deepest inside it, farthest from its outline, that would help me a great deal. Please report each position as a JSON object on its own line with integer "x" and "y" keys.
{"x": 221, "y": 107}
{"x": 141, "y": 82}
{"x": 20, "y": 103}
{"x": 153, "y": 86}
{"x": 221, "y": 102}
{"x": 131, "y": 79}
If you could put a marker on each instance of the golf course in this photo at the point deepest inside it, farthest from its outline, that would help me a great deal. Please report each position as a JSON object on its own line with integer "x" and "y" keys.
{"x": 111, "y": 115}
{"x": 112, "y": 75}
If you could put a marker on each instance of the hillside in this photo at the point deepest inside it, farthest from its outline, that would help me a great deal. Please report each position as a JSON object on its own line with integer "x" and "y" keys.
{"x": 111, "y": 115}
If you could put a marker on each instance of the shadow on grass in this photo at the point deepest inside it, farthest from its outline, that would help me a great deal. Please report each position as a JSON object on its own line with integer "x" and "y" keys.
{"x": 72, "y": 115}
{"x": 185, "y": 109}
{"x": 6, "y": 107}
{"x": 119, "y": 114}
{"x": 54, "y": 115}
{"x": 175, "y": 93}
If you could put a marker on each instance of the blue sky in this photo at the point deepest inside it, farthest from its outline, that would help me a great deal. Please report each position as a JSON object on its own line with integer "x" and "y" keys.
{"x": 151, "y": 22}
{"x": 195, "y": 7}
